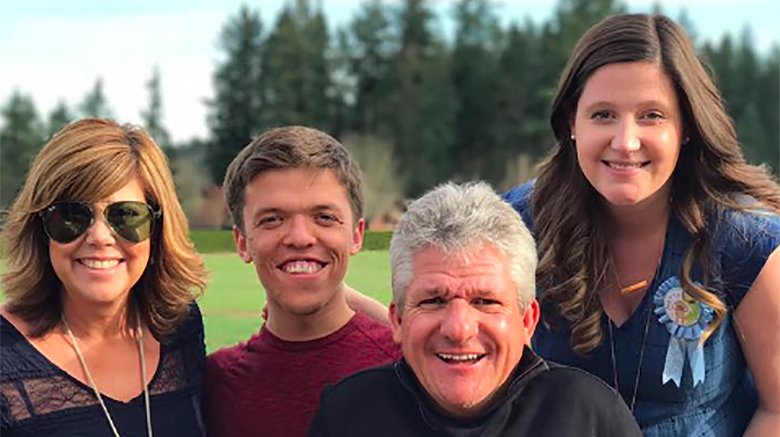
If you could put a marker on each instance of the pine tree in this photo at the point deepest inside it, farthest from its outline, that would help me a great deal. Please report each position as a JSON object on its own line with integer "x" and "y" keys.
{"x": 524, "y": 96}
{"x": 368, "y": 45}
{"x": 769, "y": 109}
{"x": 474, "y": 73}
{"x": 58, "y": 118}
{"x": 153, "y": 114}
{"x": 20, "y": 139}
{"x": 298, "y": 87}
{"x": 95, "y": 103}
{"x": 423, "y": 104}
{"x": 236, "y": 113}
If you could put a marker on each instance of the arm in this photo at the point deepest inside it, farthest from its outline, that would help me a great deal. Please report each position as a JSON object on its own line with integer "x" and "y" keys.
{"x": 371, "y": 307}
{"x": 758, "y": 322}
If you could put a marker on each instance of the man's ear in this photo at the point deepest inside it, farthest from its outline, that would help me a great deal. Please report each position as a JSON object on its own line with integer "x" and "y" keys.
{"x": 241, "y": 245}
{"x": 395, "y": 322}
{"x": 357, "y": 237}
{"x": 531, "y": 319}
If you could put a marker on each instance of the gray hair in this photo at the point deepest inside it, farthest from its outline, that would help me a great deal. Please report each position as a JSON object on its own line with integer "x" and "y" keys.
{"x": 456, "y": 218}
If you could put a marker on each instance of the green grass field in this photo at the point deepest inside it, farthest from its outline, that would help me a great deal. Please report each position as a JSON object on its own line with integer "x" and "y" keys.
{"x": 234, "y": 297}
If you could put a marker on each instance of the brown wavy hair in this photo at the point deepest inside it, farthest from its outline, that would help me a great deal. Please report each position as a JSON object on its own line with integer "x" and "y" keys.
{"x": 89, "y": 160}
{"x": 568, "y": 214}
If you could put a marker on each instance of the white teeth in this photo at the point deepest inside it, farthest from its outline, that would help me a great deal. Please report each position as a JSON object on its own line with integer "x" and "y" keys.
{"x": 625, "y": 165}
{"x": 459, "y": 357}
{"x": 100, "y": 264}
{"x": 302, "y": 267}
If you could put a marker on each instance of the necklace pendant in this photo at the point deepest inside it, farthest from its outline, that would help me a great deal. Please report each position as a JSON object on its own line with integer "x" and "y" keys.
{"x": 634, "y": 287}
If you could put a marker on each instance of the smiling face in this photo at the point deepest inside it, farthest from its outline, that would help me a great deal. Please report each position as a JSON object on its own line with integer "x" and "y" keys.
{"x": 628, "y": 130}
{"x": 99, "y": 266}
{"x": 462, "y": 329}
{"x": 299, "y": 233}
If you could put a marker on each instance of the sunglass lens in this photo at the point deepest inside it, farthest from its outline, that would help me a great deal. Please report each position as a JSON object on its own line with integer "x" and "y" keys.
{"x": 133, "y": 221}
{"x": 65, "y": 221}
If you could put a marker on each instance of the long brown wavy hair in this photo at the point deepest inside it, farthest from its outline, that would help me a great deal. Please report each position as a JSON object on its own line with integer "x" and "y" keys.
{"x": 89, "y": 160}
{"x": 568, "y": 213}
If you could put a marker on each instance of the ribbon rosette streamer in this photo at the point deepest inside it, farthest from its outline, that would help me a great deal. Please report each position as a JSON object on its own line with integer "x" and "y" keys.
{"x": 685, "y": 319}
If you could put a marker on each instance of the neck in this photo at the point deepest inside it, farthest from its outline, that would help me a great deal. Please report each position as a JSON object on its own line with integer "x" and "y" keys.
{"x": 646, "y": 218}
{"x": 325, "y": 320}
{"x": 95, "y": 321}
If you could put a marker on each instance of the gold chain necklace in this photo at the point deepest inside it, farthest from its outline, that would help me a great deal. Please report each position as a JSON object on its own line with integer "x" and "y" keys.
{"x": 626, "y": 290}
{"x": 639, "y": 361}
{"x": 139, "y": 337}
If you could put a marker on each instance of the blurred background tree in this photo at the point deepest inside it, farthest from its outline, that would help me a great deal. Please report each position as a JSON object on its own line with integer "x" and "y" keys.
{"x": 417, "y": 101}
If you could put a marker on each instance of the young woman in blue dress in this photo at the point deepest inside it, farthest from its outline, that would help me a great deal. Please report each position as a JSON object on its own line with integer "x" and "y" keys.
{"x": 659, "y": 263}
{"x": 99, "y": 331}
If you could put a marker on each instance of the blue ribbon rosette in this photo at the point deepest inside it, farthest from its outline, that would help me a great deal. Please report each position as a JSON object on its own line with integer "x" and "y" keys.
{"x": 685, "y": 319}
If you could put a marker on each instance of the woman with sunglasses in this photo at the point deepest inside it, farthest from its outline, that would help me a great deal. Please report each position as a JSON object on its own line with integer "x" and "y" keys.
{"x": 99, "y": 331}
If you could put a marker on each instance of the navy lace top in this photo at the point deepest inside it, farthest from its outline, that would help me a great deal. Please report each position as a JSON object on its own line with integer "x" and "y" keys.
{"x": 38, "y": 398}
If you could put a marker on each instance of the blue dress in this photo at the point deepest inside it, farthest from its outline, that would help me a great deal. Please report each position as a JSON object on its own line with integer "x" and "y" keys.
{"x": 721, "y": 405}
{"x": 38, "y": 398}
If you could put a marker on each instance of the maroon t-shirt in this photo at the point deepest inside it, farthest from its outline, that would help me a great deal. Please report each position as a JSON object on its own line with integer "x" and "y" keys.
{"x": 271, "y": 387}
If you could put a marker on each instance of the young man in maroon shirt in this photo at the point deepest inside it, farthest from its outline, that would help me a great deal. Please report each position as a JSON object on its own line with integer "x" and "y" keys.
{"x": 295, "y": 199}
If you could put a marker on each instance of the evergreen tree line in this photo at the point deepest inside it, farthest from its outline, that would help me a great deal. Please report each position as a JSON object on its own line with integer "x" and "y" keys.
{"x": 416, "y": 106}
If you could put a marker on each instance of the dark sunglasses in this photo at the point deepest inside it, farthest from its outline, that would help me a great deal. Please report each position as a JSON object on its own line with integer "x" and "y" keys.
{"x": 63, "y": 222}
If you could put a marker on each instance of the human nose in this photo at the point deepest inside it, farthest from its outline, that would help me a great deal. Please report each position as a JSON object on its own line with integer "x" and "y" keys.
{"x": 626, "y": 138}
{"x": 99, "y": 232}
{"x": 298, "y": 233}
{"x": 460, "y": 322}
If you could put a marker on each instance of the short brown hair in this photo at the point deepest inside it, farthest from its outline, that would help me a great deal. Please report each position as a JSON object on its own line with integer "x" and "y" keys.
{"x": 291, "y": 147}
{"x": 89, "y": 160}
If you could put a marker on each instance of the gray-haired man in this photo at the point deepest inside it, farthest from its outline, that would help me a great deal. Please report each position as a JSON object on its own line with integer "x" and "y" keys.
{"x": 463, "y": 267}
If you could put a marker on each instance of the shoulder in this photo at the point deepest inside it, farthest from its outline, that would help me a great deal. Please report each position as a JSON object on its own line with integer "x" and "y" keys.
{"x": 362, "y": 386}
{"x": 11, "y": 325}
{"x": 369, "y": 402}
{"x": 190, "y": 328}
{"x": 224, "y": 358}
{"x": 588, "y": 401}
{"x": 189, "y": 340}
{"x": 583, "y": 390}
{"x": 520, "y": 199}
{"x": 187, "y": 346}
{"x": 193, "y": 323}
{"x": 10, "y": 339}
{"x": 374, "y": 335}
{"x": 745, "y": 226}
{"x": 578, "y": 379}
{"x": 20, "y": 362}
{"x": 743, "y": 240}
{"x": 15, "y": 348}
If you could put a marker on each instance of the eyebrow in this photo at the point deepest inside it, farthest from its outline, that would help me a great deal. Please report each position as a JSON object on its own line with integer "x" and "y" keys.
{"x": 653, "y": 103}
{"x": 315, "y": 208}
{"x": 326, "y": 206}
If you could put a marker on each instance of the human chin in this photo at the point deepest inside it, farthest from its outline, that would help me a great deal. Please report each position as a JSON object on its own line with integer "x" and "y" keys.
{"x": 464, "y": 398}
{"x": 461, "y": 391}
{"x": 300, "y": 301}
{"x": 102, "y": 290}
{"x": 619, "y": 194}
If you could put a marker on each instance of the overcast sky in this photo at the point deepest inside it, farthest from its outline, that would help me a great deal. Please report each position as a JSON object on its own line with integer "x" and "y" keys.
{"x": 55, "y": 49}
